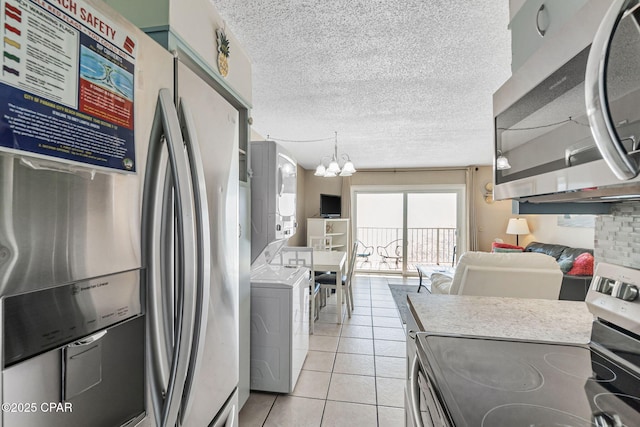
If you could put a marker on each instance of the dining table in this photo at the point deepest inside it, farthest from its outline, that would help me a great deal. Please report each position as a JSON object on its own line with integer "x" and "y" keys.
{"x": 334, "y": 261}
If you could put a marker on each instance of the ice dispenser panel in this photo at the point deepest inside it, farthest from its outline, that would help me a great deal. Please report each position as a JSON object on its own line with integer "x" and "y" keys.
{"x": 43, "y": 320}
{"x": 75, "y": 354}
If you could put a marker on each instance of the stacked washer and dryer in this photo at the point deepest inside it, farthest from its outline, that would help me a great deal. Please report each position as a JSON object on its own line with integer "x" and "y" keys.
{"x": 279, "y": 293}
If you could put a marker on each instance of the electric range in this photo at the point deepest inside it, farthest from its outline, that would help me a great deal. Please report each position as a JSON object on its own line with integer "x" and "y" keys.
{"x": 488, "y": 382}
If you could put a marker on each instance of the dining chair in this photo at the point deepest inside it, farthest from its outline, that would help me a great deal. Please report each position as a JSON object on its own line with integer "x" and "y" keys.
{"x": 328, "y": 281}
{"x": 392, "y": 251}
{"x": 301, "y": 256}
{"x": 320, "y": 243}
{"x": 364, "y": 251}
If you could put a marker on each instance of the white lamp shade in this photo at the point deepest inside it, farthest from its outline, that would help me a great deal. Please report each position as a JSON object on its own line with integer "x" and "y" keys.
{"x": 348, "y": 168}
{"x": 502, "y": 163}
{"x": 334, "y": 167}
{"x": 518, "y": 226}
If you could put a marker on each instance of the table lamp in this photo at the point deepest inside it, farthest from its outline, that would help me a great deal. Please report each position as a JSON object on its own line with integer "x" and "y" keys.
{"x": 517, "y": 226}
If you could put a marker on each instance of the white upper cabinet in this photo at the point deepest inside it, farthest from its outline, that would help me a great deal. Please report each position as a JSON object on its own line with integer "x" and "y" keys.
{"x": 534, "y": 21}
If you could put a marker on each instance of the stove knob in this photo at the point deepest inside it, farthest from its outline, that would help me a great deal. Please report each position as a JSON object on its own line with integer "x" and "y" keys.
{"x": 603, "y": 285}
{"x": 597, "y": 283}
{"x": 625, "y": 291}
{"x": 603, "y": 419}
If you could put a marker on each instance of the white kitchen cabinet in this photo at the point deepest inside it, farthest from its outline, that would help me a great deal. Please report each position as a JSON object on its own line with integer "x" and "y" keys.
{"x": 337, "y": 229}
{"x": 536, "y": 21}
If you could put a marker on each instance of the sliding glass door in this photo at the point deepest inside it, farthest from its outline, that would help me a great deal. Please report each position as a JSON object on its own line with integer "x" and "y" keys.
{"x": 379, "y": 231}
{"x": 398, "y": 229}
{"x": 431, "y": 228}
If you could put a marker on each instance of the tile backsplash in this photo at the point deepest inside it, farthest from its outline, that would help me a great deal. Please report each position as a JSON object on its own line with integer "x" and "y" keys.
{"x": 617, "y": 236}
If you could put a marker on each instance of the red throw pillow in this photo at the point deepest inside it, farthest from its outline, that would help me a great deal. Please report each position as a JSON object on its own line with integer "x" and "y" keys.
{"x": 495, "y": 245}
{"x": 582, "y": 265}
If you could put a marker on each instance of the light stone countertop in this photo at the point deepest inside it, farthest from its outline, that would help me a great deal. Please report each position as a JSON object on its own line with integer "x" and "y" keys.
{"x": 529, "y": 319}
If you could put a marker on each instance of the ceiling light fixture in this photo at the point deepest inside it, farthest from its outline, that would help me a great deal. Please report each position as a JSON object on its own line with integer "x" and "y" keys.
{"x": 334, "y": 168}
{"x": 502, "y": 162}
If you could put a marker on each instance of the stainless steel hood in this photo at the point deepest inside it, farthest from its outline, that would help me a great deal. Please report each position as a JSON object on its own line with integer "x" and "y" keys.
{"x": 616, "y": 193}
{"x": 569, "y": 116}
{"x": 594, "y": 201}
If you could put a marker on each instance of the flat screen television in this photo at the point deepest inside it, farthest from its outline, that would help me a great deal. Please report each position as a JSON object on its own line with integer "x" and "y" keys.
{"x": 330, "y": 206}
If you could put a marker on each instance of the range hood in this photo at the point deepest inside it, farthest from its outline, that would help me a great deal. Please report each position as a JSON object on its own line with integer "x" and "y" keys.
{"x": 593, "y": 201}
{"x": 615, "y": 193}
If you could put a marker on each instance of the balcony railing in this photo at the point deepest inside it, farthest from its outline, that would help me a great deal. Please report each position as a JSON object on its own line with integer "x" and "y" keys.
{"x": 434, "y": 246}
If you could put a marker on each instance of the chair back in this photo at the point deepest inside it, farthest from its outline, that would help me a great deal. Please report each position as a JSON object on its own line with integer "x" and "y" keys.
{"x": 516, "y": 275}
{"x": 352, "y": 261}
{"x": 320, "y": 243}
{"x": 392, "y": 249}
{"x": 366, "y": 250}
{"x": 300, "y": 256}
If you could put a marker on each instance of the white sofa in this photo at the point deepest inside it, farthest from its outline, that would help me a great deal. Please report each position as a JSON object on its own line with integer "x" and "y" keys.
{"x": 519, "y": 275}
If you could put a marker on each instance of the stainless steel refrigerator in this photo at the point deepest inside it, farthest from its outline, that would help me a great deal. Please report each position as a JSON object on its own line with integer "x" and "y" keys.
{"x": 118, "y": 226}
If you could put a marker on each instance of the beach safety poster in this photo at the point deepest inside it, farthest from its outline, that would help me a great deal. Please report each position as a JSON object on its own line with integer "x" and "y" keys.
{"x": 67, "y": 84}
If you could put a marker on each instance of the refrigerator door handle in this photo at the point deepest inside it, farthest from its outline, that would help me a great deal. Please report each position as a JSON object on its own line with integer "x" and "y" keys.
{"x": 203, "y": 241}
{"x": 159, "y": 274}
{"x": 166, "y": 125}
{"x": 231, "y": 421}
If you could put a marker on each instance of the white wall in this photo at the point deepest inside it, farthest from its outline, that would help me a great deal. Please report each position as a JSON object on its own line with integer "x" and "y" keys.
{"x": 314, "y": 186}
{"x": 545, "y": 229}
{"x": 492, "y": 220}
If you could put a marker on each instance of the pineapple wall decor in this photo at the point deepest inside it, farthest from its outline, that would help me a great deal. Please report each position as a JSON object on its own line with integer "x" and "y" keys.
{"x": 223, "y": 52}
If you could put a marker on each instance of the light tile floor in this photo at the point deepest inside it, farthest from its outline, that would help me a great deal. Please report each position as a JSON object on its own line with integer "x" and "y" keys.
{"x": 354, "y": 373}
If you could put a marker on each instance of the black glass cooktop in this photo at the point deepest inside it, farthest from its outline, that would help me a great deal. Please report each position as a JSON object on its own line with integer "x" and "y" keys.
{"x": 491, "y": 383}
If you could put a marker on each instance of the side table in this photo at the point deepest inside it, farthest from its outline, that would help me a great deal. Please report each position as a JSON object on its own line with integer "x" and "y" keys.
{"x": 428, "y": 270}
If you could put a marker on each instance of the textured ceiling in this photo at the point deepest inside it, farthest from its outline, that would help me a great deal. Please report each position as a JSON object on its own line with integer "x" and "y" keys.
{"x": 404, "y": 83}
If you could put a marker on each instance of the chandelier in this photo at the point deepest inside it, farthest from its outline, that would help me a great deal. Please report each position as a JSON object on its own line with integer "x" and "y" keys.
{"x": 502, "y": 163}
{"x": 334, "y": 168}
